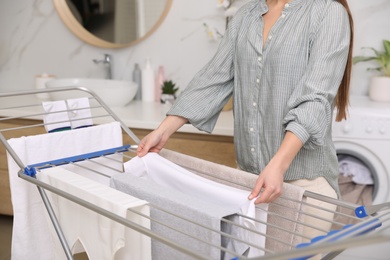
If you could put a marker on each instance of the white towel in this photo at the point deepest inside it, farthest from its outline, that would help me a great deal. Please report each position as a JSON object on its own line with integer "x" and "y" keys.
{"x": 155, "y": 168}
{"x": 30, "y": 236}
{"x": 79, "y": 112}
{"x": 100, "y": 236}
{"x": 56, "y": 117}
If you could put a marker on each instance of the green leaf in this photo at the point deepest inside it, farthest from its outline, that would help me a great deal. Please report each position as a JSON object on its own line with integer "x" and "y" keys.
{"x": 382, "y": 58}
{"x": 362, "y": 58}
{"x": 377, "y": 53}
{"x": 168, "y": 87}
{"x": 386, "y": 67}
{"x": 386, "y": 44}
{"x": 377, "y": 69}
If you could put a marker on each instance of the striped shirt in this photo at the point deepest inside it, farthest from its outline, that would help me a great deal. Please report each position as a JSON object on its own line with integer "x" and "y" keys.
{"x": 289, "y": 84}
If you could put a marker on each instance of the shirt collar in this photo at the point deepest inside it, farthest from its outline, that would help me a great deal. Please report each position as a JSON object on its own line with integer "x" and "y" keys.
{"x": 263, "y": 7}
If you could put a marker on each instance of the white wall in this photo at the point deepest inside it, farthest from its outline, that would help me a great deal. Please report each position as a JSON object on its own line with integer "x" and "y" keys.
{"x": 372, "y": 26}
{"x": 34, "y": 40}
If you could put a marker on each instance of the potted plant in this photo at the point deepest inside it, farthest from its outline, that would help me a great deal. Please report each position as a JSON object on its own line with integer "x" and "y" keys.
{"x": 379, "y": 89}
{"x": 168, "y": 92}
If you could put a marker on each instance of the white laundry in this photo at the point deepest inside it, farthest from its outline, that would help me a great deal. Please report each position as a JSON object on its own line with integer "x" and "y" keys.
{"x": 101, "y": 237}
{"x": 79, "y": 112}
{"x": 155, "y": 168}
{"x": 350, "y": 166}
{"x": 237, "y": 178}
{"x": 56, "y": 116}
{"x": 30, "y": 235}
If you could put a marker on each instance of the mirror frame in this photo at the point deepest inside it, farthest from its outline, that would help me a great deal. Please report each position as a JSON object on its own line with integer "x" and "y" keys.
{"x": 75, "y": 27}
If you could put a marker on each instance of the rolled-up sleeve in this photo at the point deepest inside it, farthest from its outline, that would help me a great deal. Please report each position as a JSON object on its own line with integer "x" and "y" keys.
{"x": 310, "y": 107}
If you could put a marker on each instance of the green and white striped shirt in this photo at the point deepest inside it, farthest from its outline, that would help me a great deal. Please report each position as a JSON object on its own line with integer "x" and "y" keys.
{"x": 290, "y": 83}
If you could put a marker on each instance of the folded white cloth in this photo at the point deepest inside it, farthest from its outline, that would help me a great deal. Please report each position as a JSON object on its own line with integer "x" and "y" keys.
{"x": 101, "y": 237}
{"x": 153, "y": 167}
{"x": 79, "y": 112}
{"x": 30, "y": 235}
{"x": 56, "y": 116}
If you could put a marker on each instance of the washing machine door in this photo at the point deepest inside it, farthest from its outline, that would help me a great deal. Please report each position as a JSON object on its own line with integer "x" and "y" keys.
{"x": 373, "y": 162}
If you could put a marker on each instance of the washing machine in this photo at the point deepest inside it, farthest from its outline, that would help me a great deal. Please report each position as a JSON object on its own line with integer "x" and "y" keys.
{"x": 365, "y": 135}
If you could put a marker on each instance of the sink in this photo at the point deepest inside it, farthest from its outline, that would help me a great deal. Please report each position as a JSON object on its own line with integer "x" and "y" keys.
{"x": 115, "y": 93}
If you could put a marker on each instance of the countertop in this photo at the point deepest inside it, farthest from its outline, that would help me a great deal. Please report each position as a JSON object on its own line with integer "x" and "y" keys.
{"x": 137, "y": 114}
{"x": 148, "y": 115}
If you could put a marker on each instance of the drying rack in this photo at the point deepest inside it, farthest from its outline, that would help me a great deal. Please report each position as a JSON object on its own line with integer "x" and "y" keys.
{"x": 370, "y": 223}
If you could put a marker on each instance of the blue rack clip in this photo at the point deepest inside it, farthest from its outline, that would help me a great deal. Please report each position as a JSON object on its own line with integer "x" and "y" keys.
{"x": 30, "y": 169}
{"x": 364, "y": 227}
{"x": 361, "y": 212}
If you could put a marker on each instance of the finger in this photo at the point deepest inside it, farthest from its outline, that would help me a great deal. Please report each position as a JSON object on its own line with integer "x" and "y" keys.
{"x": 155, "y": 150}
{"x": 140, "y": 147}
{"x": 264, "y": 197}
{"x": 143, "y": 149}
{"x": 269, "y": 195}
{"x": 256, "y": 190}
{"x": 276, "y": 194}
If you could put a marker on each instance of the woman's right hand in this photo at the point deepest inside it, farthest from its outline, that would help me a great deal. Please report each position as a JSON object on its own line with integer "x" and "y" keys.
{"x": 153, "y": 142}
{"x": 156, "y": 140}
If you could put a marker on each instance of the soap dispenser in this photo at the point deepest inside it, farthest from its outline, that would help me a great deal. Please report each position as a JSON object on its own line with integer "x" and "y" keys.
{"x": 148, "y": 82}
{"x": 137, "y": 79}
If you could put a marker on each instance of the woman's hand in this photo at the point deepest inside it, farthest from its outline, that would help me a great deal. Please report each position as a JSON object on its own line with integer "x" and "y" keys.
{"x": 271, "y": 181}
{"x": 153, "y": 142}
{"x": 156, "y": 140}
{"x": 271, "y": 178}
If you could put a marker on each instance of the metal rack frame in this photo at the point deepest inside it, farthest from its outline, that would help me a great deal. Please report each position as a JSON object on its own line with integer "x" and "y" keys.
{"x": 371, "y": 221}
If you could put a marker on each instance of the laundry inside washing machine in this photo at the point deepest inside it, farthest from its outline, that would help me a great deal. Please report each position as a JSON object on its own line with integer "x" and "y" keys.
{"x": 356, "y": 184}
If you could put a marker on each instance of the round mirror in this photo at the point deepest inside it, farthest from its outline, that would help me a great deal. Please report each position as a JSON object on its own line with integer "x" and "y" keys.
{"x": 112, "y": 23}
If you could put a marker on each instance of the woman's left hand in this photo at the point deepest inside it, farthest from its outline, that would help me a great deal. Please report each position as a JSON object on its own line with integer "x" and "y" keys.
{"x": 271, "y": 181}
{"x": 271, "y": 178}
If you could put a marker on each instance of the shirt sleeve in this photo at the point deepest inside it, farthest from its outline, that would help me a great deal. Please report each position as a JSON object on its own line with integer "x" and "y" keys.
{"x": 203, "y": 99}
{"x": 312, "y": 102}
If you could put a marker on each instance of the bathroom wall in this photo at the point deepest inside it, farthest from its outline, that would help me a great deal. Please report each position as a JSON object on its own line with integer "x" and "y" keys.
{"x": 34, "y": 40}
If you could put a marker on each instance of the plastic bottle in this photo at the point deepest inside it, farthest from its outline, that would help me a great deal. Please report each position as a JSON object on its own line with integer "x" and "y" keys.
{"x": 159, "y": 81}
{"x": 147, "y": 82}
{"x": 137, "y": 78}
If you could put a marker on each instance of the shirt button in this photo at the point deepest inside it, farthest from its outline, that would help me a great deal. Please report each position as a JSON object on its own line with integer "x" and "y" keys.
{"x": 252, "y": 149}
{"x": 257, "y": 80}
{"x": 286, "y": 5}
{"x": 283, "y": 15}
{"x": 254, "y": 104}
{"x": 270, "y": 37}
{"x": 259, "y": 58}
{"x": 251, "y": 129}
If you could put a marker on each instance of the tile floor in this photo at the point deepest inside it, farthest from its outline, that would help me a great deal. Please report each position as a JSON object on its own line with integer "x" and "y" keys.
{"x": 6, "y": 236}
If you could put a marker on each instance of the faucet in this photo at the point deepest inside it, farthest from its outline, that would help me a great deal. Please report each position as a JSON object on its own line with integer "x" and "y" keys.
{"x": 107, "y": 64}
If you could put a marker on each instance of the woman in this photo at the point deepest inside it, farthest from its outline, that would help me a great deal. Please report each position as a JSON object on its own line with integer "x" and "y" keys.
{"x": 287, "y": 65}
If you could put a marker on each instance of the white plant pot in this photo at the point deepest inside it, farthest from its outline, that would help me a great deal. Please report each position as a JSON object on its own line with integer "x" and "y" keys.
{"x": 167, "y": 99}
{"x": 379, "y": 89}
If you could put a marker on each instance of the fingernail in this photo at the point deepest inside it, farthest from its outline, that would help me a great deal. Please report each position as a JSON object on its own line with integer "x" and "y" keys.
{"x": 250, "y": 197}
